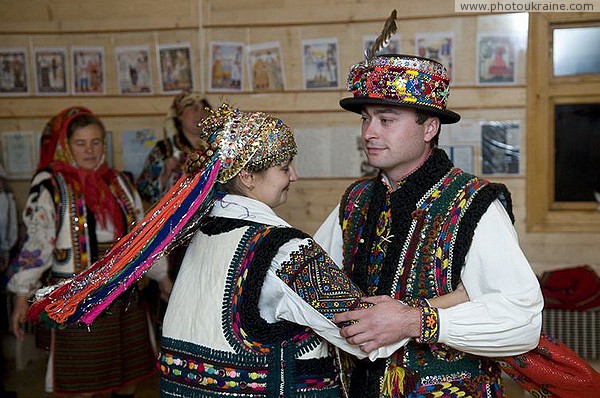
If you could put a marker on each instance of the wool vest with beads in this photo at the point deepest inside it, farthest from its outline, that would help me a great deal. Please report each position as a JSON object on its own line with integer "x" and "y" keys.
{"x": 411, "y": 243}
{"x": 235, "y": 352}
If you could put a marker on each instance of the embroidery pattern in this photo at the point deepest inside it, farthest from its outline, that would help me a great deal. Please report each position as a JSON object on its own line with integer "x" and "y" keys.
{"x": 319, "y": 282}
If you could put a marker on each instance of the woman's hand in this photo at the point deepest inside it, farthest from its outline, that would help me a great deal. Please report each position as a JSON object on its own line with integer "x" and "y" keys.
{"x": 19, "y": 316}
{"x": 451, "y": 299}
{"x": 171, "y": 166}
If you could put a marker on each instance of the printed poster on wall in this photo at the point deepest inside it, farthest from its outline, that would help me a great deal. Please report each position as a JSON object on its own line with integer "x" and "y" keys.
{"x": 320, "y": 63}
{"x": 500, "y": 147}
{"x": 265, "y": 66}
{"x": 19, "y": 154}
{"x": 496, "y": 59}
{"x": 330, "y": 152}
{"x": 88, "y": 70}
{"x": 14, "y": 71}
{"x": 50, "y": 70}
{"x": 175, "y": 66}
{"x": 461, "y": 156}
{"x": 226, "y": 66}
{"x": 133, "y": 70}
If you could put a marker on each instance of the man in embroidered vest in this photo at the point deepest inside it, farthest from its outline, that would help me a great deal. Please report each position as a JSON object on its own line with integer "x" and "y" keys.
{"x": 421, "y": 229}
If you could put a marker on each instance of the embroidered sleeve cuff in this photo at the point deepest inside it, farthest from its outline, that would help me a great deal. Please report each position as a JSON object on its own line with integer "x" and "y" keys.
{"x": 429, "y": 325}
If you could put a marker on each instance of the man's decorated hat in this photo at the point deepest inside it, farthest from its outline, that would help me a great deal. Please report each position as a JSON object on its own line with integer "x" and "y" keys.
{"x": 399, "y": 80}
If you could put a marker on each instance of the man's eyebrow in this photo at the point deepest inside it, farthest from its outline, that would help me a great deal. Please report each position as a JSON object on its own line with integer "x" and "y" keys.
{"x": 395, "y": 111}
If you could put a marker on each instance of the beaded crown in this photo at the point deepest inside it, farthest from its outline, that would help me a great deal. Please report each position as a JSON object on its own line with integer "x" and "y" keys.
{"x": 253, "y": 141}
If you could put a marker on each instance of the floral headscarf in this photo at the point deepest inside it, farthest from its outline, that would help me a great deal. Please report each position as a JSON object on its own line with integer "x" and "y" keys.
{"x": 94, "y": 185}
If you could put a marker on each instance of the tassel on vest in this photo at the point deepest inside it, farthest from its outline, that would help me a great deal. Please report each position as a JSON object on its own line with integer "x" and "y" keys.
{"x": 397, "y": 381}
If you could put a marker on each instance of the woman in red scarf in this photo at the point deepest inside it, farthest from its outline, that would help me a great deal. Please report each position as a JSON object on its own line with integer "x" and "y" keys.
{"x": 77, "y": 208}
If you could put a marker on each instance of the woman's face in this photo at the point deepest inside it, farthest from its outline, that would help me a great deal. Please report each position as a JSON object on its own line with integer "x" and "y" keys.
{"x": 87, "y": 146}
{"x": 272, "y": 185}
{"x": 191, "y": 116}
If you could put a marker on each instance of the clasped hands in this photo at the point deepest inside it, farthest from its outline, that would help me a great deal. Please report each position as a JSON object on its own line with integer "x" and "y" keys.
{"x": 386, "y": 322}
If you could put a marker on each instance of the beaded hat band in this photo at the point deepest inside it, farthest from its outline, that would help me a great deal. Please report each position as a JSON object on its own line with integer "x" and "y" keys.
{"x": 400, "y": 80}
{"x": 253, "y": 141}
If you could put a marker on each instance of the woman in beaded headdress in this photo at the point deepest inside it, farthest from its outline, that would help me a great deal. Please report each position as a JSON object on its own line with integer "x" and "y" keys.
{"x": 77, "y": 208}
{"x": 251, "y": 311}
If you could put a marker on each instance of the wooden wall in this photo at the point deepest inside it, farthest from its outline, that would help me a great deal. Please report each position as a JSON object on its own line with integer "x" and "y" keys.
{"x": 112, "y": 23}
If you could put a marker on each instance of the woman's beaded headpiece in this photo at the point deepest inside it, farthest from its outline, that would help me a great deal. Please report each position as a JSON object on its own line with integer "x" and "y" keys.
{"x": 253, "y": 141}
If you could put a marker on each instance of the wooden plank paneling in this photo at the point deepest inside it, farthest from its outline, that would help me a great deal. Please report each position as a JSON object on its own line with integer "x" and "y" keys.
{"x": 45, "y": 16}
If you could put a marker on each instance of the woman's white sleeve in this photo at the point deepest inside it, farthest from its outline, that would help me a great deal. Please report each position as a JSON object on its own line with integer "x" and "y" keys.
{"x": 503, "y": 316}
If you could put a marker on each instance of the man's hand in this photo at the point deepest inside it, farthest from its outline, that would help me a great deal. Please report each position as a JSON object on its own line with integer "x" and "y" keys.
{"x": 386, "y": 322}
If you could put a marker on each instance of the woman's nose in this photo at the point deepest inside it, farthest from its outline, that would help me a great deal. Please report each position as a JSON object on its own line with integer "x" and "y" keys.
{"x": 293, "y": 174}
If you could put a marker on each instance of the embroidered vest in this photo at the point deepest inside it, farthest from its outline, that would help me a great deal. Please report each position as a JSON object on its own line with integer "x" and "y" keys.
{"x": 265, "y": 357}
{"x": 427, "y": 253}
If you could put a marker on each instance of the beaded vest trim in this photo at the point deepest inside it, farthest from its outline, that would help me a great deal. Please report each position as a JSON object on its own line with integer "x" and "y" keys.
{"x": 426, "y": 260}
{"x": 71, "y": 202}
{"x": 265, "y": 362}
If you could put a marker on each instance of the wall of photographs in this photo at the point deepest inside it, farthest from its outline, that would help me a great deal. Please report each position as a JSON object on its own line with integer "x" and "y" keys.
{"x": 284, "y": 65}
{"x": 126, "y": 61}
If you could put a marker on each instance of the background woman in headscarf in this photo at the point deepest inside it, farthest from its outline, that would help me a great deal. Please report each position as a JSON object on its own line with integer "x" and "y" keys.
{"x": 164, "y": 164}
{"x": 166, "y": 161}
{"x": 77, "y": 207}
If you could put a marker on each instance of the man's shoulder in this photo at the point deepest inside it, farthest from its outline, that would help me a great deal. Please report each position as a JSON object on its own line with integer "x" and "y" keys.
{"x": 359, "y": 186}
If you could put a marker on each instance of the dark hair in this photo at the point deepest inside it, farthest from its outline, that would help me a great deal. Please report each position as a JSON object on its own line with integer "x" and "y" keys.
{"x": 84, "y": 121}
{"x": 422, "y": 118}
{"x": 205, "y": 103}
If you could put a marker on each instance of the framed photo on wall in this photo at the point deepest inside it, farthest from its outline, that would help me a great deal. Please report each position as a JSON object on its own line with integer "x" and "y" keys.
{"x": 438, "y": 46}
{"x": 14, "y": 71}
{"x": 226, "y": 65}
{"x": 88, "y": 70}
{"x": 320, "y": 63}
{"x": 500, "y": 147}
{"x": 175, "y": 66}
{"x": 496, "y": 59}
{"x": 50, "y": 70}
{"x": 133, "y": 70}
{"x": 265, "y": 66}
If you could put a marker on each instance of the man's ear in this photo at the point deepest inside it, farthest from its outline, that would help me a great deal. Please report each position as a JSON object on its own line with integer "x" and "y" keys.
{"x": 432, "y": 126}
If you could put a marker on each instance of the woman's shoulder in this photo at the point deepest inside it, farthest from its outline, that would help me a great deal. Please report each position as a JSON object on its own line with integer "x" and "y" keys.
{"x": 44, "y": 176}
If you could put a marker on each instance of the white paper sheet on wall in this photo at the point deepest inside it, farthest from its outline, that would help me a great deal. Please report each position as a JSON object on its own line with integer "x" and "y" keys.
{"x": 19, "y": 154}
{"x": 328, "y": 152}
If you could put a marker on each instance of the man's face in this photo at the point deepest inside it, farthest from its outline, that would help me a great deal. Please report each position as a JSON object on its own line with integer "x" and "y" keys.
{"x": 393, "y": 141}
